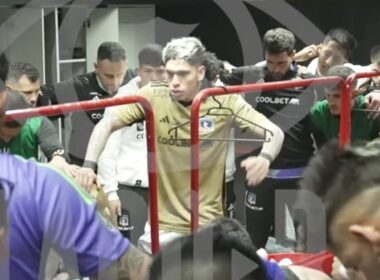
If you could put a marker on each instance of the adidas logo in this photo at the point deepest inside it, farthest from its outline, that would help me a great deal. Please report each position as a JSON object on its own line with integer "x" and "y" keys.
{"x": 165, "y": 120}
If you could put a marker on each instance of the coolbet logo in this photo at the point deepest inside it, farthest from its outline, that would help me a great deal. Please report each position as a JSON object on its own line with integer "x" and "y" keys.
{"x": 96, "y": 116}
{"x": 206, "y": 124}
{"x": 174, "y": 142}
{"x": 278, "y": 100}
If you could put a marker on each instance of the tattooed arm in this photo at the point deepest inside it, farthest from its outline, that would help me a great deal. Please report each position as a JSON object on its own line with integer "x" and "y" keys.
{"x": 133, "y": 265}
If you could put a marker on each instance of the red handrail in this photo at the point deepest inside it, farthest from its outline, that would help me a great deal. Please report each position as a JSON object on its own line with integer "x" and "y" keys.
{"x": 249, "y": 88}
{"x": 98, "y": 104}
{"x": 345, "y": 114}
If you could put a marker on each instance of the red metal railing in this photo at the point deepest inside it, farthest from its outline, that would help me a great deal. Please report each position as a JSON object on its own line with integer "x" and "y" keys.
{"x": 345, "y": 114}
{"x": 250, "y": 88}
{"x": 345, "y": 129}
{"x": 98, "y": 104}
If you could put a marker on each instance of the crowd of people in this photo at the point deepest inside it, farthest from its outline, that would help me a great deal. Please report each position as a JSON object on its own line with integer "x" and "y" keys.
{"x": 49, "y": 206}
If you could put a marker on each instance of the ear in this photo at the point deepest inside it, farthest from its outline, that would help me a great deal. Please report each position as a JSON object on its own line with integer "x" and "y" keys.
{"x": 369, "y": 233}
{"x": 201, "y": 73}
{"x": 95, "y": 65}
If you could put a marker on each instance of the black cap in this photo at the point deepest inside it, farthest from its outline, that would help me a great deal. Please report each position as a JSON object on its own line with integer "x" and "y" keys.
{"x": 15, "y": 101}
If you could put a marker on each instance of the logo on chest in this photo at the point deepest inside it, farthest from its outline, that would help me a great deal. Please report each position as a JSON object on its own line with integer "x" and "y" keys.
{"x": 206, "y": 124}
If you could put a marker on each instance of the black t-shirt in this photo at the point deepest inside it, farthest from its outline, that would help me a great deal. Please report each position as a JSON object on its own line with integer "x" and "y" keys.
{"x": 82, "y": 88}
{"x": 287, "y": 108}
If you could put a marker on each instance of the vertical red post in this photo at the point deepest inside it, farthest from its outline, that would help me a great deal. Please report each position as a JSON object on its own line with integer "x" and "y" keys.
{"x": 345, "y": 114}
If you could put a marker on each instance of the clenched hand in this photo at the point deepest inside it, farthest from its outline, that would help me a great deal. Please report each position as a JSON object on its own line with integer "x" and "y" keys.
{"x": 257, "y": 168}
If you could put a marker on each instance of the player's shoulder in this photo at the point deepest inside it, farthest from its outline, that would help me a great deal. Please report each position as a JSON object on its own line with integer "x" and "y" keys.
{"x": 304, "y": 73}
{"x": 156, "y": 88}
{"x": 319, "y": 109}
{"x": 15, "y": 168}
{"x": 159, "y": 84}
{"x": 85, "y": 78}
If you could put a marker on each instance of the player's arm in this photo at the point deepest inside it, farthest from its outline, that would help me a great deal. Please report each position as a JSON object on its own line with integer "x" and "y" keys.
{"x": 52, "y": 148}
{"x": 257, "y": 166}
{"x": 49, "y": 141}
{"x": 107, "y": 165}
{"x": 117, "y": 119}
{"x": 240, "y": 75}
{"x": 62, "y": 92}
{"x": 84, "y": 238}
{"x": 99, "y": 137}
{"x": 307, "y": 53}
{"x": 133, "y": 264}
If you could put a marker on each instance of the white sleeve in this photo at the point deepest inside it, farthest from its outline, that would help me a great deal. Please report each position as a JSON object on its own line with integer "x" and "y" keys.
{"x": 107, "y": 164}
{"x": 230, "y": 158}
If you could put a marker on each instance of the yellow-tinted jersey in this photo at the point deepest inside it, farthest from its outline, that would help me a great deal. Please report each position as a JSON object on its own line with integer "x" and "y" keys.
{"x": 172, "y": 124}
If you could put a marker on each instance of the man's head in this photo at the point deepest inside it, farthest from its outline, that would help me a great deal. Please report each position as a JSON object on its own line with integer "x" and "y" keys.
{"x": 278, "y": 46}
{"x": 212, "y": 253}
{"x": 337, "y": 49}
{"x": 333, "y": 92}
{"x": 214, "y": 68}
{"x": 375, "y": 63}
{"x": 151, "y": 66}
{"x": 25, "y": 78}
{"x": 111, "y": 66}
{"x": 348, "y": 183}
{"x": 14, "y": 101}
{"x": 184, "y": 58}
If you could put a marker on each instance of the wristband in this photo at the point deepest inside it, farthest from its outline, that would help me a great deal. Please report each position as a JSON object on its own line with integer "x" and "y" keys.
{"x": 90, "y": 164}
{"x": 59, "y": 152}
{"x": 266, "y": 156}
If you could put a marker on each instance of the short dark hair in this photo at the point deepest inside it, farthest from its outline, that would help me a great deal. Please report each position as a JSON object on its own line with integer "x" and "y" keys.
{"x": 278, "y": 40}
{"x": 17, "y": 70}
{"x": 343, "y": 38}
{"x": 213, "y": 65}
{"x": 225, "y": 243}
{"x": 375, "y": 54}
{"x": 338, "y": 175}
{"x": 112, "y": 51}
{"x": 15, "y": 101}
{"x": 151, "y": 55}
{"x": 341, "y": 71}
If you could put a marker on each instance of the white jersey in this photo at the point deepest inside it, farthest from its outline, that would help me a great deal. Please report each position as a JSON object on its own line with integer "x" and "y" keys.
{"x": 124, "y": 158}
{"x": 313, "y": 69}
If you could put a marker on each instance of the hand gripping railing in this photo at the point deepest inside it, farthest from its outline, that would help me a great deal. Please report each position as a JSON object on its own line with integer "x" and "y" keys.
{"x": 248, "y": 89}
{"x": 345, "y": 114}
{"x": 99, "y": 104}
